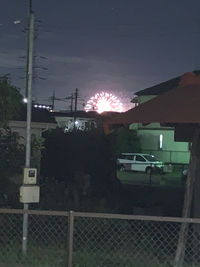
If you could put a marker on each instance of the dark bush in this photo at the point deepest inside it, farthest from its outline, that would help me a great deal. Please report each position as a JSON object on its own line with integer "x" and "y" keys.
{"x": 84, "y": 163}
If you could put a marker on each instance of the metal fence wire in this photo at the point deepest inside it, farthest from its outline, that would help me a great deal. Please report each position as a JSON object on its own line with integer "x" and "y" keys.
{"x": 47, "y": 240}
{"x": 75, "y": 239}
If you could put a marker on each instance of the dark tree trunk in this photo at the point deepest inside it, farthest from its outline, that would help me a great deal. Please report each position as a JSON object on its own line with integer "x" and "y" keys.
{"x": 191, "y": 193}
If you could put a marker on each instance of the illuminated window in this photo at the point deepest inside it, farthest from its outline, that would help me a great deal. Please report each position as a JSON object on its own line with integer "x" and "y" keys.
{"x": 161, "y": 141}
{"x": 189, "y": 146}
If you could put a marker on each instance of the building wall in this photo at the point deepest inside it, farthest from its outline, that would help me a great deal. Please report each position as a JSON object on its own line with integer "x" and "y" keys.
{"x": 174, "y": 152}
{"x": 36, "y": 128}
{"x": 82, "y": 124}
{"x": 171, "y": 151}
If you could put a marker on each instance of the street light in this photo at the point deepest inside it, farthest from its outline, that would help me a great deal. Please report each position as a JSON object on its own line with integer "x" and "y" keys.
{"x": 25, "y": 100}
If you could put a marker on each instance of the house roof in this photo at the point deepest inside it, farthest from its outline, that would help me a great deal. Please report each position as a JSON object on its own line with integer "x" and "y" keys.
{"x": 38, "y": 115}
{"x": 181, "y": 105}
{"x": 164, "y": 86}
{"x": 79, "y": 113}
{"x": 84, "y": 114}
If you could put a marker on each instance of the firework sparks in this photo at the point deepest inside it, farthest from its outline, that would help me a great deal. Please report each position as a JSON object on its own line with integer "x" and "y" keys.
{"x": 104, "y": 102}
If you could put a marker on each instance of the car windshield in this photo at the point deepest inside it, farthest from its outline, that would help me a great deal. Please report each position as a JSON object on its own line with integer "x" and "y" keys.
{"x": 150, "y": 158}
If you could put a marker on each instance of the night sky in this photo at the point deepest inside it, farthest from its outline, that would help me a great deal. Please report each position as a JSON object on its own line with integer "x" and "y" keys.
{"x": 121, "y": 46}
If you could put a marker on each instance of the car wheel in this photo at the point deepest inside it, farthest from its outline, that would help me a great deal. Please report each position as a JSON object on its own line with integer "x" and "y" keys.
{"x": 149, "y": 170}
{"x": 122, "y": 168}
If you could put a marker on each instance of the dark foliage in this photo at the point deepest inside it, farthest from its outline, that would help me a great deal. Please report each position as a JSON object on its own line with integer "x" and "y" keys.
{"x": 10, "y": 101}
{"x": 124, "y": 140}
{"x": 12, "y": 156}
{"x": 84, "y": 164}
{"x": 66, "y": 153}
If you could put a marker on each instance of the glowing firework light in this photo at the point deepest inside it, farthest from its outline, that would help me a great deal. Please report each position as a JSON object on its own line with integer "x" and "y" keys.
{"x": 104, "y": 102}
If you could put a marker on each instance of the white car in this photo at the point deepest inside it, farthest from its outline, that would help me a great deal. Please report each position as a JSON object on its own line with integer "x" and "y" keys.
{"x": 139, "y": 162}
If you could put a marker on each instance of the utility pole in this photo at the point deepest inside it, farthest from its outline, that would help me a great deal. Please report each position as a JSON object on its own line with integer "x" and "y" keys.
{"x": 53, "y": 98}
{"x": 27, "y": 51}
{"x": 29, "y": 77}
{"x": 72, "y": 100}
{"x": 76, "y": 98}
{"x": 75, "y": 107}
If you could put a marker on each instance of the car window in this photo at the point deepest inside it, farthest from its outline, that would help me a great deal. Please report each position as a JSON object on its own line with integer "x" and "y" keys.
{"x": 151, "y": 158}
{"x": 140, "y": 158}
{"x": 129, "y": 157}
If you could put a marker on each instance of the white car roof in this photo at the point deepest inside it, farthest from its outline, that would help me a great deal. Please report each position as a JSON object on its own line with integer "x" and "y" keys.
{"x": 136, "y": 154}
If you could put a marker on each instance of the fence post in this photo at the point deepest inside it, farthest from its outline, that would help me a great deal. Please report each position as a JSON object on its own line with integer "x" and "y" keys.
{"x": 70, "y": 237}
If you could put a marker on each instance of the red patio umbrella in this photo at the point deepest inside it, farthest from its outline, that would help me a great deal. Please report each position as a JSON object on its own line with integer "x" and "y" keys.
{"x": 180, "y": 105}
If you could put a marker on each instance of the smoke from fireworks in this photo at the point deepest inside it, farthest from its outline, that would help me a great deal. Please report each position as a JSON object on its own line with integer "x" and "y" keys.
{"x": 104, "y": 102}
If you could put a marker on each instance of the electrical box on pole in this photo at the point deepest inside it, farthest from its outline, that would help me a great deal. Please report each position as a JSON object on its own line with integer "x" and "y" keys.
{"x": 29, "y": 194}
{"x": 30, "y": 176}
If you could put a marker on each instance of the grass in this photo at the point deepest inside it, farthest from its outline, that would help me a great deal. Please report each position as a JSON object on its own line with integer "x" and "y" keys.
{"x": 114, "y": 259}
{"x": 35, "y": 257}
{"x": 169, "y": 179}
{"x": 163, "y": 197}
{"x": 85, "y": 258}
{"x": 90, "y": 258}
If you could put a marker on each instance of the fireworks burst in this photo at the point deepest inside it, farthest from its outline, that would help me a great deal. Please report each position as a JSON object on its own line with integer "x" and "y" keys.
{"x": 104, "y": 102}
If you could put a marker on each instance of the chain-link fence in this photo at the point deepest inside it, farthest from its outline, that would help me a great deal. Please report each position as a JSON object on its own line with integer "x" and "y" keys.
{"x": 75, "y": 239}
{"x": 47, "y": 239}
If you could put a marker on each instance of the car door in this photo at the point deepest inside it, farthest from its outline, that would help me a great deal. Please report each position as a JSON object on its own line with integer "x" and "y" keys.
{"x": 140, "y": 163}
{"x": 126, "y": 161}
{"x": 129, "y": 161}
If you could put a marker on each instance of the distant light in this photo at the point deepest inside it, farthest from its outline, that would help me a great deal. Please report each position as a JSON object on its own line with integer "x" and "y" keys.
{"x": 76, "y": 122}
{"x": 25, "y": 100}
{"x": 42, "y": 106}
{"x": 161, "y": 141}
{"x": 17, "y": 21}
